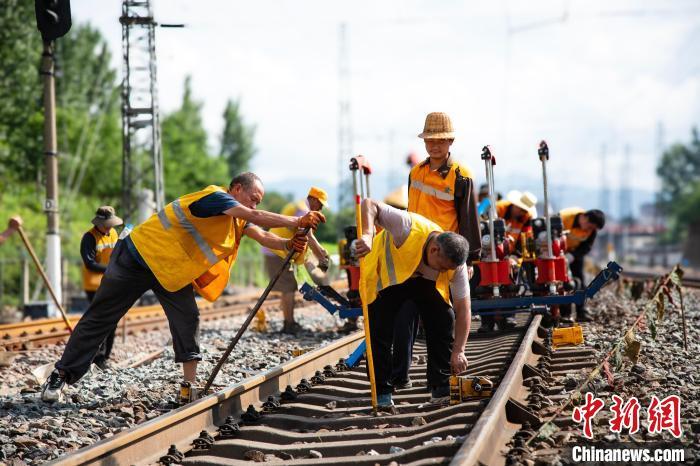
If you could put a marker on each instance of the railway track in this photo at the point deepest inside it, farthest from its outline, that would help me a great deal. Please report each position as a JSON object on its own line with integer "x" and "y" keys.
{"x": 327, "y": 418}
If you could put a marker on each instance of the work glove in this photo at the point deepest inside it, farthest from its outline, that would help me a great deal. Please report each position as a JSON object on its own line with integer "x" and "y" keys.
{"x": 311, "y": 220}
{"x": 297, "y": 242}
{"x": 15, "y": 222}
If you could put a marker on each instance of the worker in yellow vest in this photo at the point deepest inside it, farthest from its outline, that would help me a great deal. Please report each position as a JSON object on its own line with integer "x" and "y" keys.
{"x": 440, "y": 189}
{"x": 412, "y": 263}
{"x": 517, "y": 209}
{"x": 191, "y": 244}
{"x": 95, "y": 249}
{"x": 316, "y": 261}
{"x": 580, "y": 229}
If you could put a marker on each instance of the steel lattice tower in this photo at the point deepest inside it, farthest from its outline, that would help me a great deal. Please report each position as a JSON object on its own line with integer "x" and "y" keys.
{"x": 142, "y": 158}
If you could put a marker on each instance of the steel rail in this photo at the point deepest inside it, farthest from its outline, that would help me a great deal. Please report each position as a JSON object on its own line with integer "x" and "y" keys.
{"x": 493, "y": 427}
{"x": 149, "y": 441}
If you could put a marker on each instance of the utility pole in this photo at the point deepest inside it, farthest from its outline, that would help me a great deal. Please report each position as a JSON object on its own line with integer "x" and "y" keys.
{"x": 53, "y": 19}
{"x": 345, "y": 133}
{"x": 142, "y": 159}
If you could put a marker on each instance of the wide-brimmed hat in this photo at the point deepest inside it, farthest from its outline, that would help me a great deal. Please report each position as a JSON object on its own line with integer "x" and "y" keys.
{"x": 105, "y": 217}
{"x": 319, "y": 194}
{"x": 525, "y": 200}
{"x": 437, "y": 126}
{"x": 398, "y": 198}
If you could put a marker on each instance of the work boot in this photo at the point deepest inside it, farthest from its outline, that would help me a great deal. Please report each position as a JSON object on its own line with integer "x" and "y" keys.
{"x": 507, "y": 323}
{"x": 439, "y": 396}
{"x": 102, "y": 363}
{"x": 53, "y": 387}
{"x": 291, "y": 328}
{"x": 487, "y": 324}
{"x": 582, "y": 315}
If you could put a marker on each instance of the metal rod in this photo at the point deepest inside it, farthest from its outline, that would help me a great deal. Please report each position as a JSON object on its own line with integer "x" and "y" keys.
{"x": 488, "y": 161}
{"x": 365, "y": 309}
{"x": 56, "y": 301}
{"x": 249, "y": 319}
{"x": 685, "y": 334}
{"x": 544, "y": 156}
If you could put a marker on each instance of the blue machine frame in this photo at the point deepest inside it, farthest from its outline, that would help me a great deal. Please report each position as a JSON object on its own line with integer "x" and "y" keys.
{"x": 530, "y": 304}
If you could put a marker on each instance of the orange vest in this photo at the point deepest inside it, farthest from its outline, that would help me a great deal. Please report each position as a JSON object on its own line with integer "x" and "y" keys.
{"x": 180, "y": 248}
{"x": 574, "y": 236}
{"x": 432, "y": 196}
{"x": 513, "y": 227}
{"x": 104, "y": 245}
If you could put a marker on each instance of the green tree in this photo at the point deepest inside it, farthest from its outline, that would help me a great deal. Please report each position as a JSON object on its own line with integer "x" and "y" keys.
{"x": 237, "y": 146}
{"x": 679, "y": 171}
{"x": 187, "y": 165}
{"x": 274, "y": 201}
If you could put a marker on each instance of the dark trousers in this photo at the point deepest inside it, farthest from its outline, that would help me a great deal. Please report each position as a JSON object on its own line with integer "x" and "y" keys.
{"x": 124, "y": 281}
{"x": 576, "y": 267}
{"x": 105, "y": 350}
{"x": 405, "y": 331}
{"x": 438, "y": 319}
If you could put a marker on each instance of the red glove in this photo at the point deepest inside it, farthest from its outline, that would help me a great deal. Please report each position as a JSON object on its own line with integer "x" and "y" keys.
{"x": 297, "y": 242}
{"x": 311, "y": 220}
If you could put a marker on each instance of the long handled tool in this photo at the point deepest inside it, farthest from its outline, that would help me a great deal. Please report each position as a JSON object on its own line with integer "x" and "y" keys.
{"x": 249, "y": 319}
{"x": 25, "y": 240}
{"x": 356, "y": 164}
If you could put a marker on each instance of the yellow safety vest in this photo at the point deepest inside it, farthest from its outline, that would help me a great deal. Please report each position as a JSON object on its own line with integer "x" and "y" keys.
{"x": 104, "y": 245}
{"x": 386, "y": 265}
{"x": 432, "y": 196}
{"x": 180, "y": 248}
{"x": 513, "y": 228}
{"x": 575, "y": 236}
{"x": 292, "y": 209}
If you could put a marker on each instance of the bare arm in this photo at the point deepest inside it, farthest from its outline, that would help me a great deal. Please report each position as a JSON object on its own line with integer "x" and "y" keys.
{"x": 263, "y": 218}
{"x": 316, "y": 247}
{"x": 463, "y": 319}
{"x": 265, "y": 238}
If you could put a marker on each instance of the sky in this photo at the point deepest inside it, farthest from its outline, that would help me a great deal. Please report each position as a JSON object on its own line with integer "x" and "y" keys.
{"x": 587, "y": 76}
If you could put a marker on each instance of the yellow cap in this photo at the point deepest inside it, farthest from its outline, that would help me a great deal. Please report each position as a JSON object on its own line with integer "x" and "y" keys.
{"x": 319, "y": 194}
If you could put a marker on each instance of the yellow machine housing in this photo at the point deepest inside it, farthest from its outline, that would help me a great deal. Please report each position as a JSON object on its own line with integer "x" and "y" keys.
{"x": 464, "y": 387}
{"x": 567, "y": 336}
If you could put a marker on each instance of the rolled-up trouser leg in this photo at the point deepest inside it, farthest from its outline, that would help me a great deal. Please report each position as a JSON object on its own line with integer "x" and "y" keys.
{"x": 124, "y": 281}
{"x": 183, "y": 319}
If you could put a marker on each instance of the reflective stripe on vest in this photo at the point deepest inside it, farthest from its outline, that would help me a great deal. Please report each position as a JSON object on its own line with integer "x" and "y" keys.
{"x": 189, "y": 228}
{"x": 390, "y": 269}
{"x": 164, "y": 220}
{"x": 430, "y": 191}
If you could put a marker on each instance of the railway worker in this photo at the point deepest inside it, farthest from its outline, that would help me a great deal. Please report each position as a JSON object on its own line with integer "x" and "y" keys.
{"x": 316, "y": 262}
{"x": 580, "y": 229}
{"x": 517, "y": 210}
{"x": 442, "y": 190}
{"x": 12, "y": 226}
{"x": 414, "y": 264}
{"x": 96, "y": 248}
{"x": 191, "y": 243}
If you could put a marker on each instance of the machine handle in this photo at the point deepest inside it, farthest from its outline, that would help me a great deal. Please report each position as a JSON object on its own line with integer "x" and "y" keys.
{"x": 360, "y": 162}
{"x": 487, "y": 153}
{"x": 543, "y": 150}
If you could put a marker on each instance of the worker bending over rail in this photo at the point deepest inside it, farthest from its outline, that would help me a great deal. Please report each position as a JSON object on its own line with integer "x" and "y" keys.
{"x": 442, "y": 190}
{"x": 580, "y": 229}
{"x": 96, "y": 248}
{"x": 190, "y": 244}
{"x": 413, "y": 264}
{"x": 315, "y": 261}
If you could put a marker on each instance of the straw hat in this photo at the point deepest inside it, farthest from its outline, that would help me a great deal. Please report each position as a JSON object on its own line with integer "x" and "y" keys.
{"x": 525, "y": 200}
{"x": 105, "y": 217}
{"x": 319, "y": 194}
{"x": 398, "y": 198}
{"x": 437, "y": 126}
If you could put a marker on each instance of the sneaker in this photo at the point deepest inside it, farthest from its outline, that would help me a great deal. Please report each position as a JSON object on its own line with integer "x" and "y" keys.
{"x": 402, "y": 385}
{"x": 384, "y": 400}
{"x": 102, "y": 364}
{"x": 53, "y": 387}
{"x": 507, "y": 323}
{"x": 438, "y": 401}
